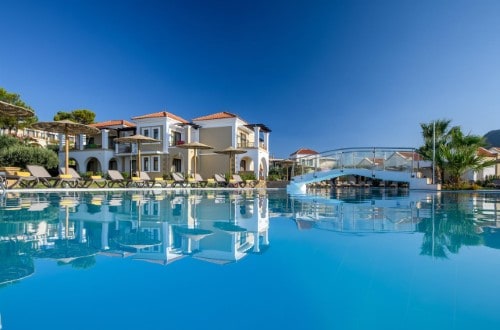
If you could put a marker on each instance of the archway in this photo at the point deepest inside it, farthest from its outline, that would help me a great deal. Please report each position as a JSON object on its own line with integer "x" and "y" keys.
{"x": 93, "y": 165}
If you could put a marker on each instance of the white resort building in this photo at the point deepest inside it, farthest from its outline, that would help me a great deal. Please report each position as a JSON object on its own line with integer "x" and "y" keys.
{"x": 219, "y": 131}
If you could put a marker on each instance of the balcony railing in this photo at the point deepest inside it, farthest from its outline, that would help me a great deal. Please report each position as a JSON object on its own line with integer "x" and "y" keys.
{"x": 248, "y": 144}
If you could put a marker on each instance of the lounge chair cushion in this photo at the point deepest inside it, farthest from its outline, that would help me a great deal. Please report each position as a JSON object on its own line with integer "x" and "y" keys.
{"x": 23, "y": 174}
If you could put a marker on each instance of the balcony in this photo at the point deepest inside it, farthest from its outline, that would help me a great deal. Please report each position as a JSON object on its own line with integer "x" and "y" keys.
{"x": 251, "y": 145}
{"x": 176, "y": 143}
{"x": 93, "y": 146}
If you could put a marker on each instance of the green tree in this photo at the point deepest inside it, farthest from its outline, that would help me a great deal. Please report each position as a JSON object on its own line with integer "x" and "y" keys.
{"x": 435, "y": 132}
{"x": 63, "y": 115}
{"x": 10, "y": 122}
{"x": 460, "y": 154}
{"x": 81, "y": 116}
{"x": 455, "y": 152}
{"x": 451, "y": 226}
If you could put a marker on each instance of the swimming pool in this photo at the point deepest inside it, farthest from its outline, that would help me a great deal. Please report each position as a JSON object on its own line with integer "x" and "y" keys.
{"x": 235, "y": 259}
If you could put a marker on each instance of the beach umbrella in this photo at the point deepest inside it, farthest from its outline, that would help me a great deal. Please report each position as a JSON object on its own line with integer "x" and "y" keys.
{"x": 195, "y": 234}
{"x": 195, "y": 146}
{"x": 11, "y": 110}
{"x": 66, "y": 127}
{"x": 231, "y": 152}
{"x": 229, "y": 227}
{"x": 139, "y": 139}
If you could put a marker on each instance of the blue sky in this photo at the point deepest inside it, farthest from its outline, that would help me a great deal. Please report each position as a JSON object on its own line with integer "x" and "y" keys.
{"x": 320, "y": 74}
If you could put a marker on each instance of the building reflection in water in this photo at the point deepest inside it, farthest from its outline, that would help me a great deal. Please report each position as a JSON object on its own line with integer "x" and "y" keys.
{"x": 448, "y": 221}
{"x": 161, "y": 227}
{"x": 222, "y": 226}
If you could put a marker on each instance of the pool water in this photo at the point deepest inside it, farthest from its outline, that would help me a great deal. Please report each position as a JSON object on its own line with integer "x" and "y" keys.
{"x": 234, "y": 259}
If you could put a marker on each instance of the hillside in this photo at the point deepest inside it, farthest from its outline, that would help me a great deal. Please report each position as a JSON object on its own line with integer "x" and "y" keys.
{"x": 493, "y": 138}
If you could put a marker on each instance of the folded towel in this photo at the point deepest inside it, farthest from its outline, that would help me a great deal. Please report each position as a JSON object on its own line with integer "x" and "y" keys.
{"x": 23, "y": 174}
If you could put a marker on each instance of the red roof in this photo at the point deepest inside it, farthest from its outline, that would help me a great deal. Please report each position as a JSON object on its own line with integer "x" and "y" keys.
{"x": 162, "y": 114}
{"x": 409, "y": 155}
{"x": 218, "y": 115}
{"x": 485, "y": 152}
{"x": 110, "y": 123}
{"x": 305, "y": 151}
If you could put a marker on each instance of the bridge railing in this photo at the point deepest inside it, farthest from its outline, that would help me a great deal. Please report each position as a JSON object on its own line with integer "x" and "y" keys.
{"x": 371, "y": 158}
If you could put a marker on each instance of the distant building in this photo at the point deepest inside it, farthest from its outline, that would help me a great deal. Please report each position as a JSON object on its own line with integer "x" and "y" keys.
{"x": 306, "y": 157}
{"x": 490, "y": 171}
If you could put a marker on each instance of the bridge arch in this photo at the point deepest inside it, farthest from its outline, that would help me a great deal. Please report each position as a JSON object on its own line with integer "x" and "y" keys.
{"x": 388, "y": 164}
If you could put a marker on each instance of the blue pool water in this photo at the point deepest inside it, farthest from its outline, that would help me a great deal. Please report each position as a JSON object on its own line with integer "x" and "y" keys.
{"x": 345, "y": 259}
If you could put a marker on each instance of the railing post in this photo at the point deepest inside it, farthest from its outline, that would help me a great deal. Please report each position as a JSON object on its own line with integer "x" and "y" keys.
{"x": 373, "y": 165}
{"x": 412, "y": 162}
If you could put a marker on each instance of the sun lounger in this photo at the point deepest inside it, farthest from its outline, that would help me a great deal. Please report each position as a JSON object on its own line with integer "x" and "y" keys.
{"x": 178, "y": 180}
{"x": 237, "y": 181}
{"x": 495, "y": 183}
{"x": 21, "y": 179}
{"x": 87, "y": 182}
{"x": 3, "y": 181}
{"x": 116, "y": 178}
{"x": 149, "y": 182}
{"x": 49, "y": 181}
{"x": 220, "y": 181}
{"x": 198, "y": 181}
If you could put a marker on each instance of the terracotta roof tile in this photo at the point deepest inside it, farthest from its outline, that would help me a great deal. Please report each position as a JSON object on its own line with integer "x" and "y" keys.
{"x": 162, "y": 114}
{"x": 109, "y": 123}
{"x": 218, "y": 115}
{"x": 305, "y": 151}
{"x": 409, "y": 155}
{"x": 485, "y": 152}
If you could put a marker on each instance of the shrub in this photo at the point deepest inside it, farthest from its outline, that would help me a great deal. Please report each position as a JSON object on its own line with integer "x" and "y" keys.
{"x": 21, "y": 156}
{"x": 7, "y": 141}
{"x": 247, "y": 176}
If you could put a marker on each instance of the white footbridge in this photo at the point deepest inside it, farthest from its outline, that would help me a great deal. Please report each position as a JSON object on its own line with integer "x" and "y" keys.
{"x": 387, "y": 164}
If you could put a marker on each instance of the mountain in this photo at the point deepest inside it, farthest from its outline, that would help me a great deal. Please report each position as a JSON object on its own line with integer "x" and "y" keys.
{"x": 493, "y": 138}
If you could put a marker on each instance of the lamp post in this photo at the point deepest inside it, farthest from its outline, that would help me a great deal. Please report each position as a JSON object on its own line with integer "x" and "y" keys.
{"x": 434, "y": 152}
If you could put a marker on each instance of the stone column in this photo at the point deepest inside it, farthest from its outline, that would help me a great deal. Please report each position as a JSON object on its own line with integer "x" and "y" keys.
{"x": 105, "y": 138}
{"x": 256, "y": 132}
{"x": 104, "y": 236}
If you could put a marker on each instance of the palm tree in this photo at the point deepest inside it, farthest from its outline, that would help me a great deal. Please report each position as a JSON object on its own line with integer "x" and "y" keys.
{"x": 460, "y": 154}
{"x": 435, "y": 134}
{"x": 455, "y": 152}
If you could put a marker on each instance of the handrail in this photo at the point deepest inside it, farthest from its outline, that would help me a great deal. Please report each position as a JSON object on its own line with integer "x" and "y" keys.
{"x": 399, "y": 159}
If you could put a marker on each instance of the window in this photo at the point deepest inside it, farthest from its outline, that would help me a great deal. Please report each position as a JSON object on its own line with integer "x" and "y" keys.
{"x": 243, "y": 141}
{"x": 156, "y": 164}
{"x": 175, "y": 138}
{"x": 176, "y": 165}
{"x": 145, "y": 164}
{"x": 156, "y": 133}
{"x": 145, "y": 131}
{"x": 151, "y": 164}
